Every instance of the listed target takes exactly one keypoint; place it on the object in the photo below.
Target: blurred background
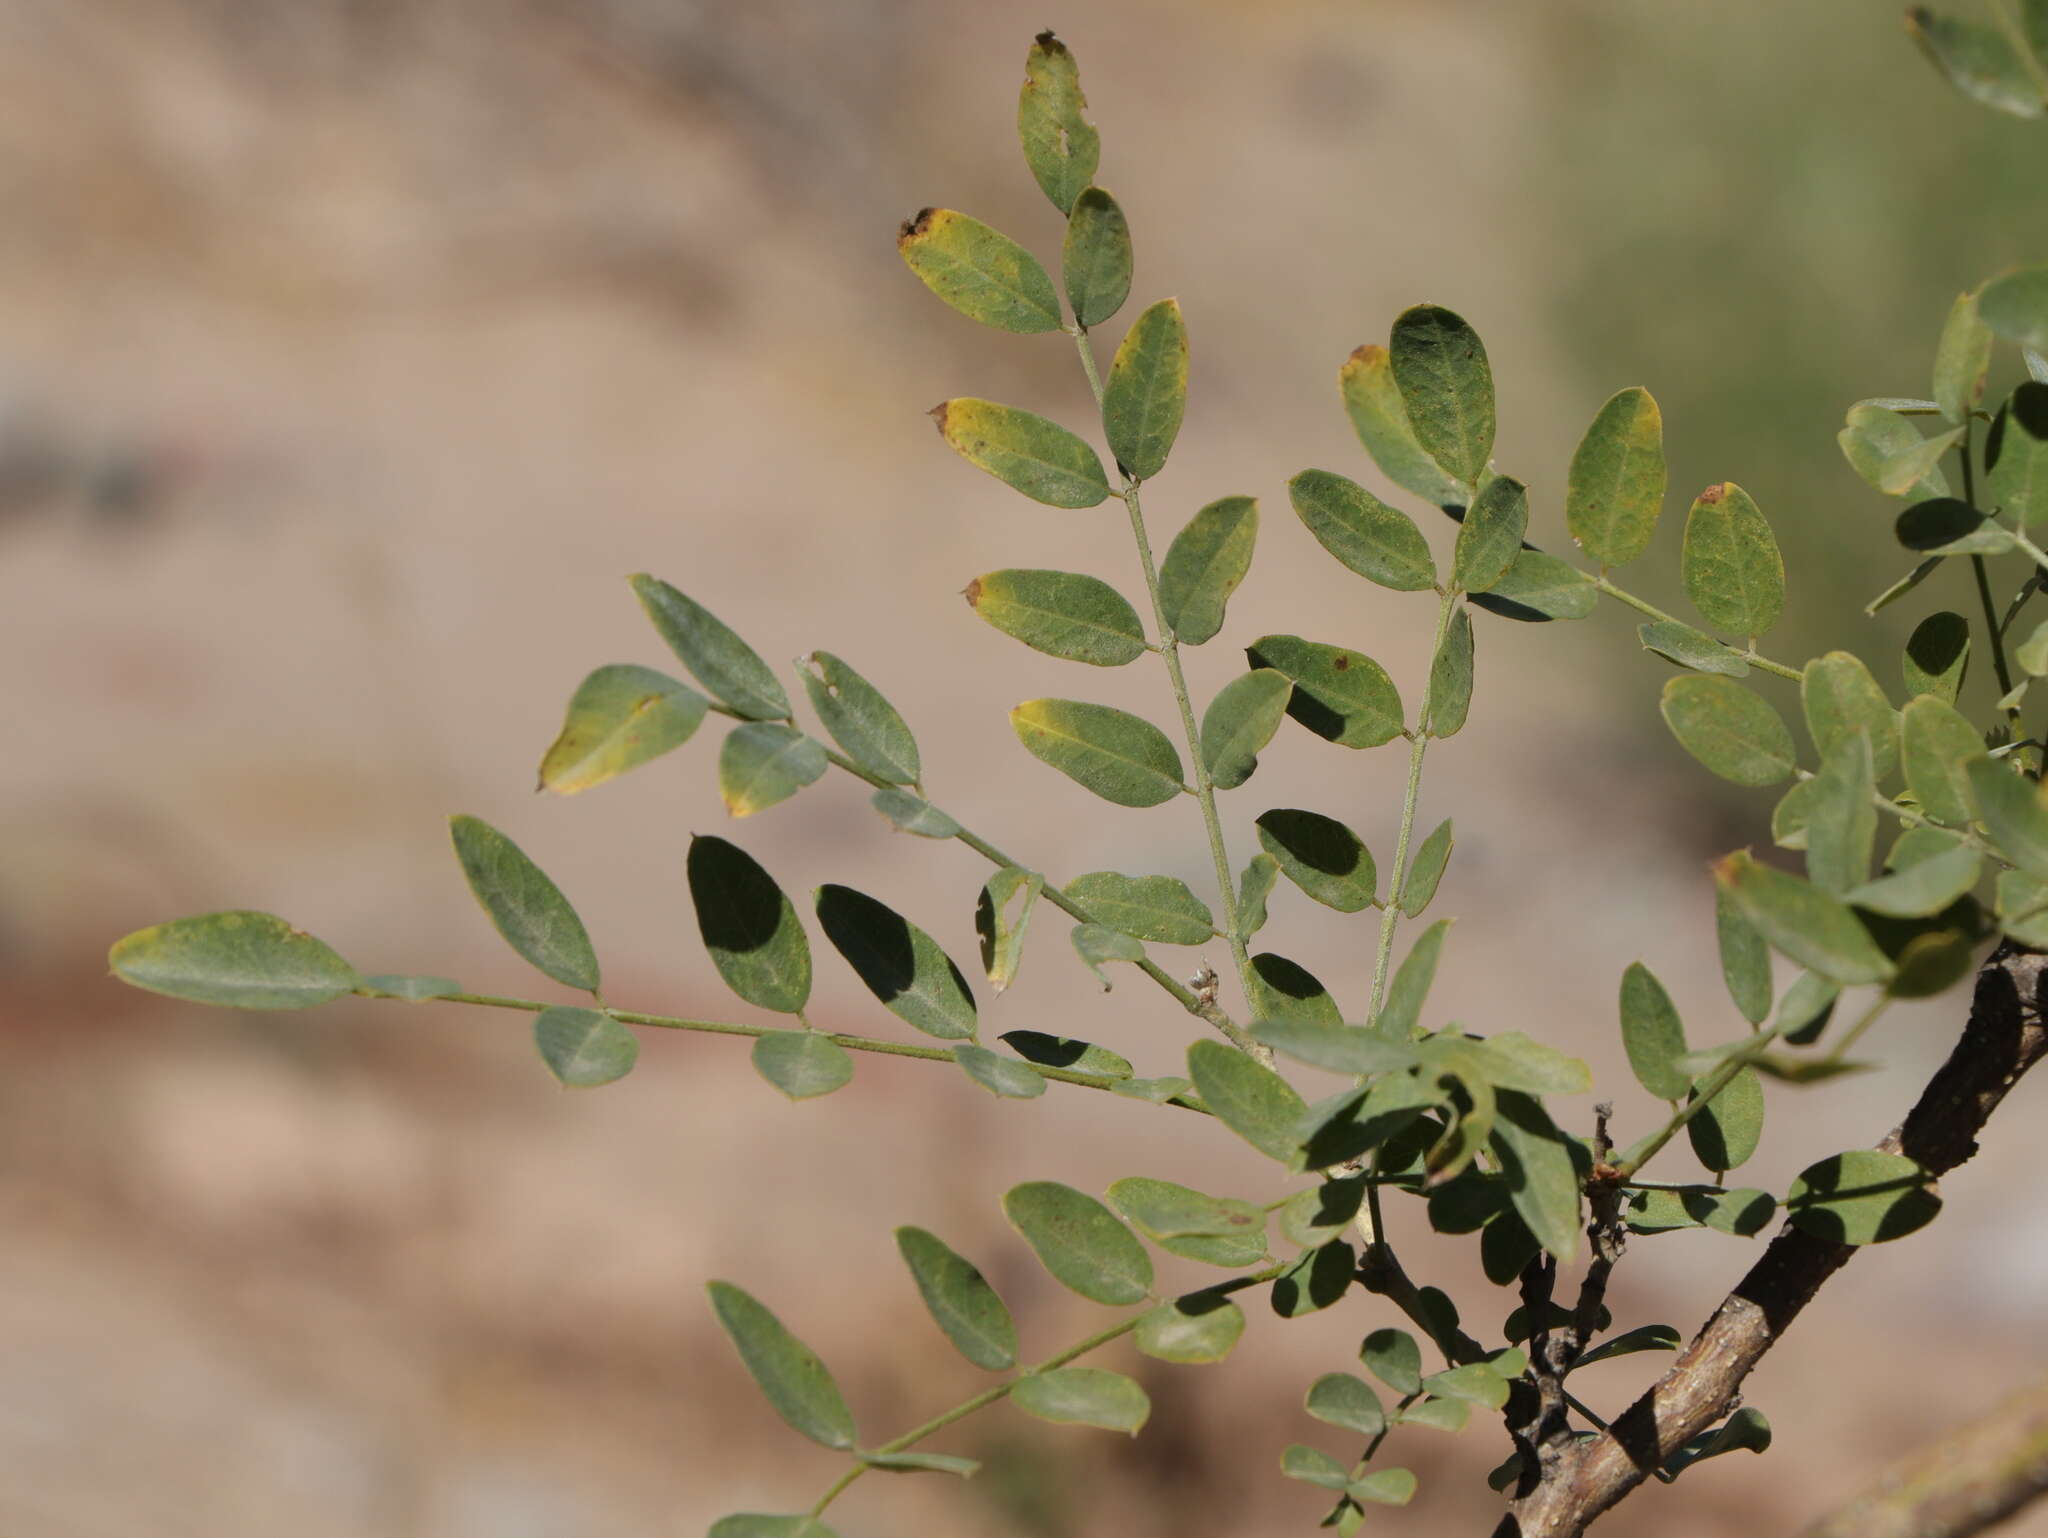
(351, 354)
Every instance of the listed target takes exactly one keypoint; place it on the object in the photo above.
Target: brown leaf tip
(1729, 866)
(972, 593)
(1364, 354)
(915, 225)
(1049, 43)
(1713, 493)
(938, 414)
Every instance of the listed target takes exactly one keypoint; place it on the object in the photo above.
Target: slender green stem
(1913, 819)
(735, 1028)
(1169, 650)
(1647, 1148)
(1642, 606)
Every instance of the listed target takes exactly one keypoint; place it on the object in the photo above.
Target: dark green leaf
(1147, 390)
(1961, 359)
(1426, 869)
(1450, 678)
(1254, 885)
(1060, 145)
(1977, 60)
(1250, 1099)
(1239, 723)
(1380, 417)
(2015, 811)
(1692, 649)
(1355, 1121)
(1195, 1328)
(620, 717)
(764, 763)
(1322, 857)
(960, 1300)
(1729, 728)
(1002, 914)
(1282, 989)
(1935, 741)
(1950, 526)
(1402, 1009)
(1490, 537)
(1066, 1052)
(1615, 488)
(909, 812)
(1150, 907)
(1446, 383)
(980, 272)
(1744, 1213)
(1905, 584)
(1097, 943)
(2016, 453)
(1937, 657)
(1841, 821)
(1319, 1214)
(1344, 1399)
(1080, 1241)
(1023, 450)
(1745, 960)
(1096, 259)
(1343, 696)
(1727, 1132)
(1543, 1178)
(528, 909)
(239, 959)
(863, 723)
(788, 1372)
(750, 928)
(1805, 923)
(1806, 1008)
(901, 964)
(1658, 1212)
(1121, 757)
(1887, 451)
(1648, 1337)
(1393, 1357)
(1733, 572)
(802, 1064)
(1373, 539)
(718, 659)
(1062, 613)
(921, 1463)
(1004, 1077)
(1540, 587)
(1862, 1197)
(1204, 565)
(1744, 1431)
(1317, 1279)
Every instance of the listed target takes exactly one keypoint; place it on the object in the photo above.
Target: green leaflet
(2016, 452)
(1119, 756)
(1340, 695)
(1540, 587)
(1446, 383)
(1862, 1197)
(1904, 585)
(1979, 61)
(1080, 1242)
(1733, 572)
(1732, 730)
(1148, 907)
(1147, 390)
(1323, 1042)
(1653, 1034)
(527, 908)
(920, 1463)
(1004, 1077)
(1159, 1209)
(1024, 451)
(1511, 1060)
(1841, 821)
(1255, 884)
(1950, 526)
(1061, 613)
(901, 964)
(1450, 678)
(1097, 943)
(1378, 542)
(1814, 929)
(1250, 1099)
(1934, 741)
(1002, 916)
(1239, 723)
(1380, 417)
(1402, 1010)
(1616, 484)
(1426, 869)
(1961, 359)
(1066, 1052)
(1283, 989)
(1648, 1337)
(1344, 1399)
(980, 272)
(715, 656)
(910, 813)
(764, 763)
(1060, 145)
(1840, 699)
(1727, 1132)
(1096, 259)
(960, 1300)
(1937, 657)
(1885, 448)
(395, 985)
(1490, 537)
(749, 926)
(2015, 306)
(1393, 1357)
(802, 1064)
(787, 1371)
(863, 723)
(1313, 1467)
(1204, 565)
(1542, 1176)
(1195, 1328)
(2023, 908)
(1745, 960)
(1083, 1396)
(2014, 811)
(1321, 856)
(1921, 888)
(238, 959)
(1319, 1214)
(1317, 1279)
(1692, 649)
(619, 718)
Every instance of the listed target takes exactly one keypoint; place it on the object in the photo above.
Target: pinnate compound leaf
(1882, 446)
(1004, 1077)
(1450, 678)
(863, 722)
(754, 1524)
(1393, 1357)
(749, 926)
(528, 909)
(1380, 417)
(1402, 1009)
(1342, 696)
(1157, 908)
(1061, 613)
(1347, 1400)
(960, 1300)
(1542, 1174)
(1239, 723)
(238, 959)
(619, 718)
(1616, 484)
(715, 656)
(1321, 856)
(1204, 565)
(1002, 916)
(1096, 259)
(980, 272)
(1540, 587)
(1729, 728)
(787, 1371)
(1863, 1197)
(1745, 960)
(1814, 929)
(2016, 452)
(1733, 572)
(1378, 542)
(1147, 390)
(1121, 757)
(1937, 657)
(1977, 60)
(764, 763)
(1024, 451)
(910, 813)
(1426, 869)
(1080, 1242)
(1692, 649)
(1247, 1097)
(1961, 359)
(2013, 808)
(1083, 1396)
(1727, 1132)
(1446, 382)
(1193, 1329)
(802, 1064)
(902, 965)
(1490, 537)
(1935, 741)
(1067, 1052)
(1060, 145)
(1841, 820)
